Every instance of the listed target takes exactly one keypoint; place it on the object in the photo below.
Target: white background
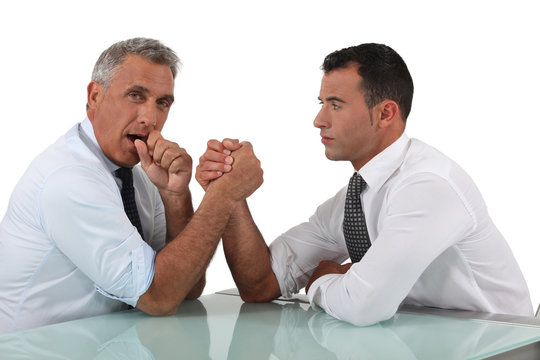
(251, 71)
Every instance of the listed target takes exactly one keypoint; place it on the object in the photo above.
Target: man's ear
(94, 94)
(388, 113)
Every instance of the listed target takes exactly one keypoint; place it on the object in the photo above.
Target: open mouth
(132, 138)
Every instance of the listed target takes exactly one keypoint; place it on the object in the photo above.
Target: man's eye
(335, 106)
(134, 96)
(164, 103)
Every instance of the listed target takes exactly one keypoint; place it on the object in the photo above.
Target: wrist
(221, 195)
(175, 197)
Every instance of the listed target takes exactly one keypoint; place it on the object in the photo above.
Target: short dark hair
(384, 74)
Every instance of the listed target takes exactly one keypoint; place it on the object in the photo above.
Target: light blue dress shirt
(67, 248)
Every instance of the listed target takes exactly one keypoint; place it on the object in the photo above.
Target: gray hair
(150, 49)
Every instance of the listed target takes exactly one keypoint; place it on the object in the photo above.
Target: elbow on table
(255, 297)
(160, 309)
(364, 310)
(164, 303)
(158, 306)
(368, 319)
(263, 290)
(368, 314)
(259, 295)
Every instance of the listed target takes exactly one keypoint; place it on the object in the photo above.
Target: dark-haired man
(88, 232)
(412, 221)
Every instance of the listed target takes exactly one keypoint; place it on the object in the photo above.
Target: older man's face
(137, 101)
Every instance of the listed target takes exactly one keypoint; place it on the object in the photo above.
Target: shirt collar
(379, 169)
(88, 130)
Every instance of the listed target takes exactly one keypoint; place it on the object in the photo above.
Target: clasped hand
(230, 166)
(167, 165)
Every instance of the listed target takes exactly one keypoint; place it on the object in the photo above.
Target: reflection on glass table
(124, 335)
(300, 333)
(221, 326)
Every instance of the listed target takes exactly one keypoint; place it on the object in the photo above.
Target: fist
(167, 165)
(245, 176)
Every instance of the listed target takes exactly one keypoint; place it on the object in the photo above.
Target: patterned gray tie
(354, 221)
(128, 197)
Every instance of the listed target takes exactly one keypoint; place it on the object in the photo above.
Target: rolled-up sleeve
(82, 213)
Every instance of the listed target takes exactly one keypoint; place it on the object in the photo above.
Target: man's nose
(148, 115)
(321, 120)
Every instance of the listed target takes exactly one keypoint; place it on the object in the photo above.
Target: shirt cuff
(142, 274)
(317, 290)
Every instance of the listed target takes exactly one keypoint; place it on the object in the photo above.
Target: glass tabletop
(221, 326)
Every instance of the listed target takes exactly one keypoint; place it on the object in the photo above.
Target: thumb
(144, 156)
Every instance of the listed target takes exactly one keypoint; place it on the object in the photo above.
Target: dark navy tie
(128, 197)
(354, 221)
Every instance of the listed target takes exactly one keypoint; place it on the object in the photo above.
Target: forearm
(181, 265)
(178, 212)
(249, 258)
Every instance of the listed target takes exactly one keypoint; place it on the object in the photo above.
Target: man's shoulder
(424, 158)
(429, 165)
(69, 151)
(67, 156)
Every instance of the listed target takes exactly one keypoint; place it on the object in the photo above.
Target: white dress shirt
(433, 244)
(67, 248)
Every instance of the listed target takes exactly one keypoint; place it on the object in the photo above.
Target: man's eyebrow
(138, 88)
(333, 98)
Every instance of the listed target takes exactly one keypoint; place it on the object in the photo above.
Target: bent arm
(416, 231)
(180, 266)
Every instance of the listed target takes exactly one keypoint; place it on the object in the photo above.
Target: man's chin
(331, 156)
(128, 162)
(335, 157)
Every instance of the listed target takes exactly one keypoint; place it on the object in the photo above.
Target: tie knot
(126, 175)
(356, 185)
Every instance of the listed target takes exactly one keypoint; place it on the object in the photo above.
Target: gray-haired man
(87, 232)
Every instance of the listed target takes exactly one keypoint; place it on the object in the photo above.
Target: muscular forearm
(249, 258)
(180, 266)
(178, 212)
